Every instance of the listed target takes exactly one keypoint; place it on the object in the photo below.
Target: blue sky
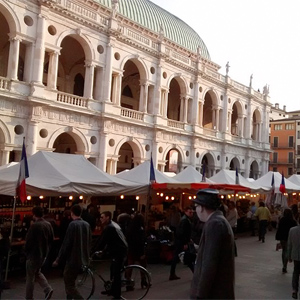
(259, 37)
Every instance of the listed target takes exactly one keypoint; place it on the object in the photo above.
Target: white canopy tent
(295, 179)
(54, 174)
(190, 175)
(141, 174)
(266, 181)
(229, 177)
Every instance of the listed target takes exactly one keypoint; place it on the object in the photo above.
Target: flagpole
(10, 238)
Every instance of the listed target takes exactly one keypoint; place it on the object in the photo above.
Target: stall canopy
(228, 179)
(295, 179)
(141, 174)
(52, 174)
(266, 181)
(190, 175)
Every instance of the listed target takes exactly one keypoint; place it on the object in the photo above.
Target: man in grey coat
(74, 251)
(214, 269)
(294, 255)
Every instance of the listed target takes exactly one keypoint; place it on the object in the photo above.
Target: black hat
(208, 198)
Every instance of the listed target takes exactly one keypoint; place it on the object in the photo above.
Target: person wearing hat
(215, 256)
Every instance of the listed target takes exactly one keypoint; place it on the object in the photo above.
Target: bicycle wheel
(85, 283)
(136, 282)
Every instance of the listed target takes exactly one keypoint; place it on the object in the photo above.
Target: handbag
(190, 254)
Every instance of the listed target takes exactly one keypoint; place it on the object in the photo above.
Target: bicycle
(136, 281)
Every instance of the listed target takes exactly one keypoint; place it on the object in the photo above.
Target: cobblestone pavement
(258, 276)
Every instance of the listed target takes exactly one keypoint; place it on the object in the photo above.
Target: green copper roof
(151, 16)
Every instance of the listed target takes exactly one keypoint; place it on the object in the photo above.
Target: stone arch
(234, 163)
(210, 101)
(11, 18)
(236, 118)
(80, 139)
(182, 82)
(180, 155)
(210, 164)
(254, 169)
(140, 64)
(135, 145)
(6, 133)
(81, 39)
(256, 125)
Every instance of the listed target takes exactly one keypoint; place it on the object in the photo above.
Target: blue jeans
(262, 229)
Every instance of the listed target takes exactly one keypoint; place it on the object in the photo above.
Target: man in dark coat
(38, 242)
(74, 251)
(114, 240)
(182, 239)
(214, 269)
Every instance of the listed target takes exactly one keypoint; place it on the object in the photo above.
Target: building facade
(119, 81)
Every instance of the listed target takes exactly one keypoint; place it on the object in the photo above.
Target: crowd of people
(203, 237)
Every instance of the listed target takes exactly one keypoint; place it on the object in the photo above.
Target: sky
(259, 37)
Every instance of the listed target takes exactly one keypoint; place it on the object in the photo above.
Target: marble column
(102, 152)
(13, 59)
(52, 73)
(89, 81)
(108, 72)
(32, 136)
(5, 157)
(98, 83)
(28, 62)
(39, 51)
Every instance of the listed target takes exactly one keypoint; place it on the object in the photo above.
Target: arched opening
(130, 96)
(254, 170)
(207, 164)
(234, 120)
(234, 164)
(174, 161)
(71, 61)
(207, 112)
(4, 45)
(65, 143)
(126, 155)
(173, 111)
(256, 126)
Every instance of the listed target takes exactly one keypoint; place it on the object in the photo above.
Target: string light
(137, 197)
(80, 197)
(41, 197)
(167, 197)
(70, 197)
(172, 198)
(122, 196)
(28, 197)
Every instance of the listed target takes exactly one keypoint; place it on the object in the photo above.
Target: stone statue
(251, 77)
(227, 68)
(115, 7)
(266, 90)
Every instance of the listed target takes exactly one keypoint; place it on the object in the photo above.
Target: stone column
(157, 101)
(217, 119)
(213, 118)
(141, 101)
(28, 62)
(98, 83)
(5, 157)
(89, 81)
(200, 113)
(185, 102)
(108, 72)
(181, 114)
(145, 103)
(32, 136)
(114, 166)
(53, 67)
(102, 152)
(39, 51)
(119, 89)
(114, 87)
(229, 121)
(13, 59)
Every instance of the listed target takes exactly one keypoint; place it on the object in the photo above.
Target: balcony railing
(132, 114)
(4, 84)
(72, 99)
(282, 162)
(175, 124)
(283, 146)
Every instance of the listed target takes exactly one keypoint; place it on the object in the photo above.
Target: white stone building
(117, 80)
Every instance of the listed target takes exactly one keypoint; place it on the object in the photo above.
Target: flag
(203, 173)
(282, 185)
(23, 174)
(237, 180)
(152, 172)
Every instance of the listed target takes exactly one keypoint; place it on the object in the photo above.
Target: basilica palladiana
(118, 81)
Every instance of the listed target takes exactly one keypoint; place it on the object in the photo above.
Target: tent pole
(147, 207)
(10, 238)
